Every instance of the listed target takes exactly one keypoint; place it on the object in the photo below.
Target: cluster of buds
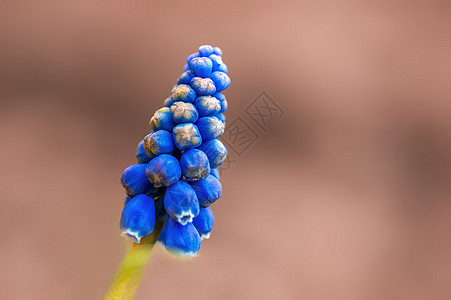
(176, 179)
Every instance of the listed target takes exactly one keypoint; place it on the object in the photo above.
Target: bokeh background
(346, 196)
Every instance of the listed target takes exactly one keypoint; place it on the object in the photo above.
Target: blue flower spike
(176, 179)
(181, 241)
(138, 217)
(204, 222)
(181, 203)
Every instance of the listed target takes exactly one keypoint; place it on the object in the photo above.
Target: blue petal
(138, 217)
(204, 222)
(182, 241)
(134, 180)
(180, 202)
(208, 190)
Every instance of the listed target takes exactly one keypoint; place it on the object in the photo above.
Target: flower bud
(159, 142)
(186, 136)
(208, 190)
(184, 112)
(179, 240)
(210, 128)
(203, 86)
(201, 66)
(207, 106)
(134, 180)
(180, 202)
(194, 164)
(221, 80)
(163, 170)
(183, 92)
(216, 152)
(138, 217)
(204, 222)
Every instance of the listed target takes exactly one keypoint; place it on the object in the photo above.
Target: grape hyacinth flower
(171, 188)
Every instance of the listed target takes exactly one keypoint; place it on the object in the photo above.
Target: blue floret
(208, 190)
(184, 112)
(194, 164)
(138, 217)
(204, 222)
(210, 128)
(162, 119)
(206, 50)
(180, 202)
(134, 180)
(203, 86)
(179, 240)
(186, 136)
(141, 154)
(221, 80)
(207, 106)
(201, 66)
(186, 77)
(183, 92)
(159, 142)
(163, 170)
(216, 152)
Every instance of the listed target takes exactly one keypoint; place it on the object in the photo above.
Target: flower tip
(205, 236)
(128, 234)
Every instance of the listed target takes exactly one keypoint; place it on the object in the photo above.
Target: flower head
(176, 179)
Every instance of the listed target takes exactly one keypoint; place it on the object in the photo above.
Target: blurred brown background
(347, 196)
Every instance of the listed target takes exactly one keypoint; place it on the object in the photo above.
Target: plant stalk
(132, 267)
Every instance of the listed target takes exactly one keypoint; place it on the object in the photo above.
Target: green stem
(131, 269)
